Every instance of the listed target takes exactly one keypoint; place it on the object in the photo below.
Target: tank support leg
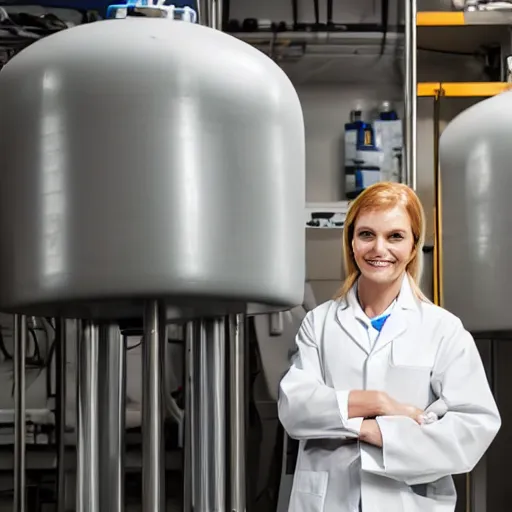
(153, 448)
(87, 474)
(215, 372)
(112, 390)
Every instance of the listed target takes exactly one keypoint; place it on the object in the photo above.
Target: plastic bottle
(389, 139)
(358, 134)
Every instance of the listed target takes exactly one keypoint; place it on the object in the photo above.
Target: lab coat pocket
(419, 498)
(408, 375)
(309, 491)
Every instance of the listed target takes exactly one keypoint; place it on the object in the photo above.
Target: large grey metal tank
(148, 158)
(476, 170)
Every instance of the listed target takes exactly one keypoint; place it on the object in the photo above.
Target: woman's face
(383, 244)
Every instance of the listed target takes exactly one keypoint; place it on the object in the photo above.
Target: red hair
(382, 196)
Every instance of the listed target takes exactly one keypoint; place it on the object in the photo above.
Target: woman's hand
(369, 404)
(370, 433)
(393, 408)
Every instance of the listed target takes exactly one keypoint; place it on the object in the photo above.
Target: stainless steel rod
(237, 426)
(216, 10)
(112, 387)
(410, 93)
(217, 367)
(153, 491)
(87, 477)
(204, 423)
(190, 427)
(210, 13)
(20, 344)
(60, 410)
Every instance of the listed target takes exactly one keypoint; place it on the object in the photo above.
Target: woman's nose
(379, 244)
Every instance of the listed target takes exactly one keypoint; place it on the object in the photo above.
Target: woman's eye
(397, 236)
(365, 234)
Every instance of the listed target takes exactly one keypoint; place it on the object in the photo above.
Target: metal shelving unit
(458, 32)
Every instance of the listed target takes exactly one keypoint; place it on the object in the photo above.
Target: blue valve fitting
(183, 13)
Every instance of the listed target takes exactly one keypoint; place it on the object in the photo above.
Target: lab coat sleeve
(420, 454)
(308, 408)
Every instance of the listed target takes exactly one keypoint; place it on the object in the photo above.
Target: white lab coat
(423, 356)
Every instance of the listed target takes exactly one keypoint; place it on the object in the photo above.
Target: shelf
(463, 18)
(463, 32)
(331, 57)
(462, 89)
(333, 218)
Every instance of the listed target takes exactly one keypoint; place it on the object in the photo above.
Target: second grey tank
(476, 171)
(148, 158)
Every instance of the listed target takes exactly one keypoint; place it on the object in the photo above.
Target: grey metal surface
(153, 447)
(210, 13)
(486, 18)
(87, 471)
(112, 414)
(204, 480)
(60, 411)
(200, 133)
(475, 155)
(218, 391)
(206, 421)
(20, 344)
(410, 93)
(190, 467)
(237, 424)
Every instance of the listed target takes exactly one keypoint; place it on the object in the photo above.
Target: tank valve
(151, 9)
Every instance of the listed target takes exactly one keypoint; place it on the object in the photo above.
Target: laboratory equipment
(475, 229)
(362, 156)
(150, 178)
(388, 131)
(356, 132)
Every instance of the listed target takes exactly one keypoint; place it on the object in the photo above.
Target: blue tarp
(97, 5)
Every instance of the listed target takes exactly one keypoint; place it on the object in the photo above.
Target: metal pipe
(204, 422)
(153, 490)
(87, 476)
(60, 410)
(237, 425)
(190, 424)
(210, 13)
(217, 367)
(410, 93)
(112, 417)
(216, 22)
(20, 344)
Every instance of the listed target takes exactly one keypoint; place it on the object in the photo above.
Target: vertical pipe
(20, 344)
(189, 465)
(204, 422)
(437, 267)
(210, 13)
(112, 389)
(60, 410)
(203, 12)
(153, 493)
(217, 366)
(237, 425)
(410, 92)
(87, 495)
(216, 9)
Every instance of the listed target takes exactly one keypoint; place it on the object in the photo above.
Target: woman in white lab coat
(387, 392)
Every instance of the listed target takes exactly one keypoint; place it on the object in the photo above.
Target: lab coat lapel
(347, 317)
(405, 308)
(395, 325)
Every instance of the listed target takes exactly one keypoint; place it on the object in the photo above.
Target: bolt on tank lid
(151, 9)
